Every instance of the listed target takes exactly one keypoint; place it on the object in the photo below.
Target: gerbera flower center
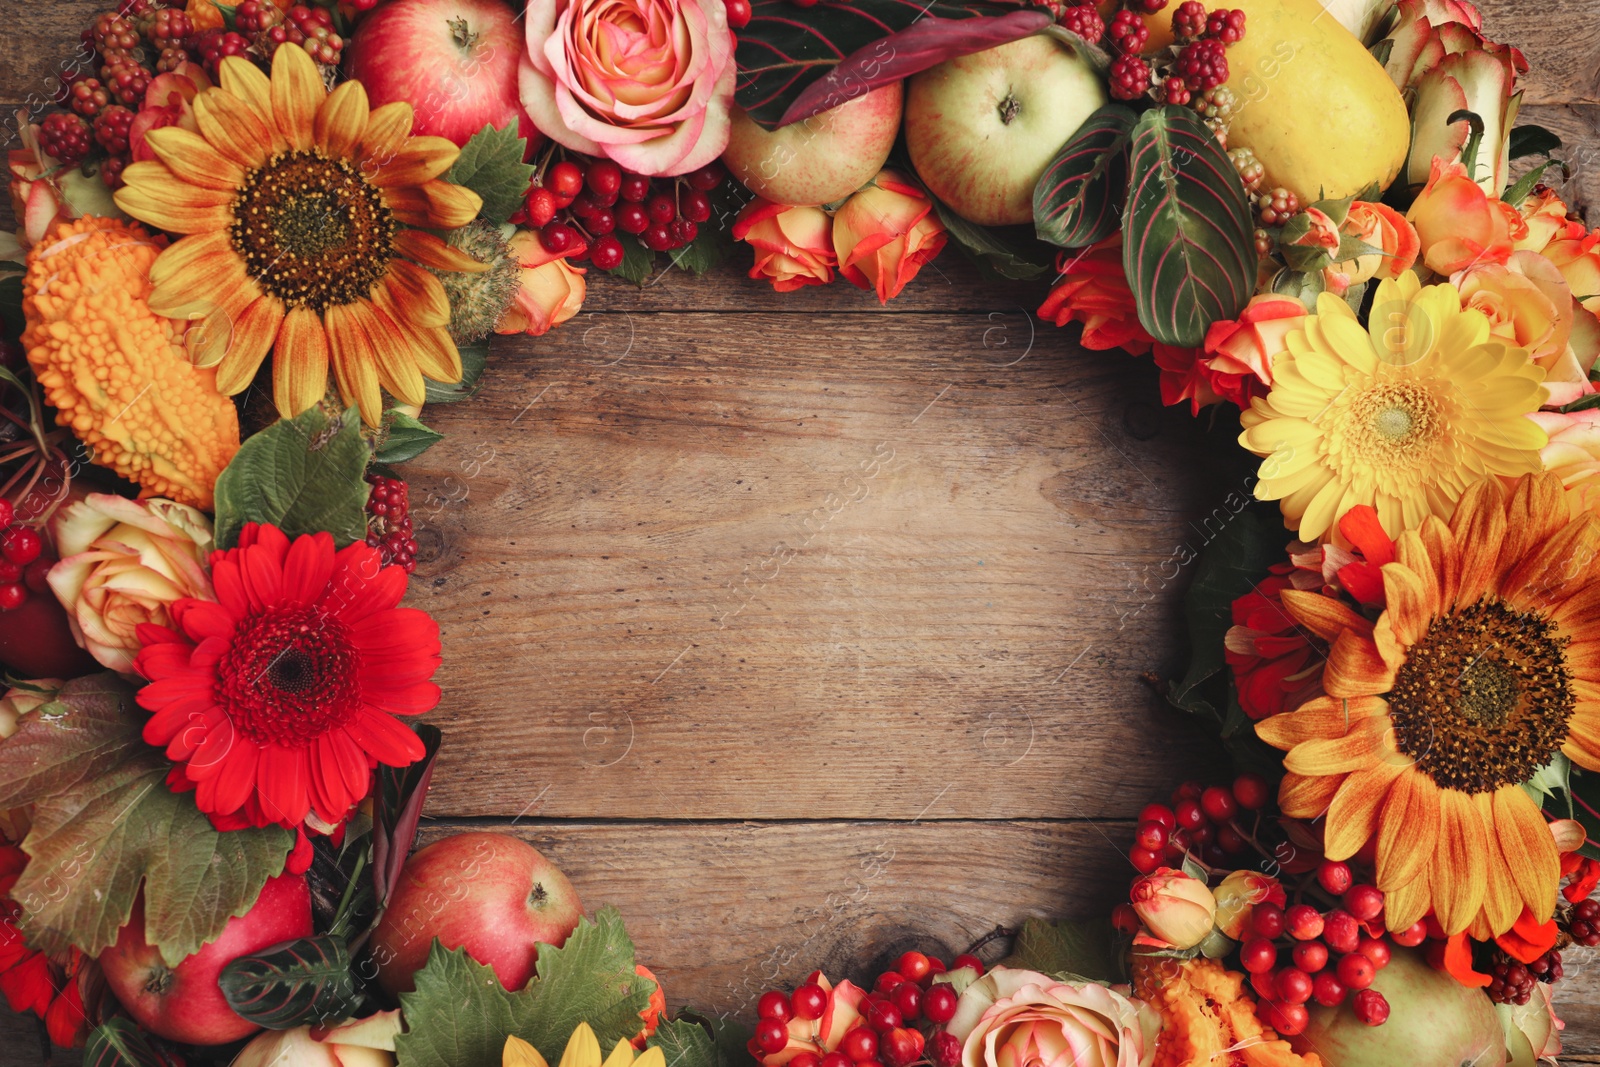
(289, 676)
(1395, 424)
(312, 231)
(1483, 700)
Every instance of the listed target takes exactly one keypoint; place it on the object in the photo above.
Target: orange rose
(551, 292)
(1381, 227)
(884, 234)
(1578, 260)
(1247, 345)
(1545, 215)
(794, 245)
(1528, 304)
(1458, 224)
(1093, 290)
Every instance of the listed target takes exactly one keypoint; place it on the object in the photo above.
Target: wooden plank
(696, 578)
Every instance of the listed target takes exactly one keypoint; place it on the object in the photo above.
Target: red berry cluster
(1083, 20)
(389, 527)
(1326, 956)
(902, 1018)
(1198, 64)
(1584, 925)
(1200, 820)
(267, 27)
(23, 564)
(66, 136)
(579, 204)
(1511, 982)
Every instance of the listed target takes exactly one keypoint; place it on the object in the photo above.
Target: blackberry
(66, 137)
(1251, 170)
(309, 27)
(112, 34)
(1130, 77)
(126, 81)
(1584, 924)
(1217, 102)
(171, 58)
(1174, 91)
(1277, 206)
(1509, 981)
(111, 171)
(1085, 21)
(1547, 968)
(389, 523)
(1226, 26)
(88, 97)
(1203, 64)
(1149, 7)
(111, 128)
(214, 46)
(1189, 21)
(1129, 33)
(168, 27)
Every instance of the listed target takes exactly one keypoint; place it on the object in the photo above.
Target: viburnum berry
(312, 29)
(1364, 901)
(1277, 206)
(1334, 876)
(7, 512)
(114, 33)
(1159, 813)
(1411, 936)
(389, 527)
(683, 230)
(1287, 1019)
(1302, 922)
(1203, 64)
(695, 206)
(603, 221)
(1356, 971)
(12, 596)
(940, 1003)
(707, 177)
(134, 10)
(860, 1044)
(66, 136)
(908, 998)
(111, 128)
(634, 188)
(1327, 990)
(1217, 102)
(631, 218)
(604, 180)
(739, 13)
(1130, 77)
(87, 97)
(967, 959)
(21, 545)
(1189, 21)
(565, 180)
(1175, 91)
(774, 1005)
(1129, 33)
(1252, 172)
(168, 27)
(1341, 931)
(1310, 956)
(1085, 21)
(661, 208)
(541, 206)
(558, 237)
(111, 170)
(1371, 1007)
(1218, 803)
(1226, 26)
(809, 1000)
(1258, 955)
(945, 1049)
(656, 238)
(126, 81)
(882, 1015)
(771, 1036)
(9, 572)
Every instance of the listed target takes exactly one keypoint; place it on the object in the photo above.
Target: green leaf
(1076, 200)
(1193, 869)
(104, 822)
(994, 256)
(685, 1044)
(459, 1015)
(710, 246)
(1524, 185)
(1188, 249)
(301, 475)
(1234, 560)
(297, 983)
(474, 357)
(1550, 780)
(637, 260)
(1086, 948)
(1531, 140)
(406, 440)
(118, 1042)
(491, 165)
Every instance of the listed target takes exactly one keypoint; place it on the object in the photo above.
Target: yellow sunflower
(296, 203)
(1484, 667)
(1403, 418)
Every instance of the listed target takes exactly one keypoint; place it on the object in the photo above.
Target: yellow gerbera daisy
(583, 1050)
(1484, 667)
(296, 202)
(1403, 418)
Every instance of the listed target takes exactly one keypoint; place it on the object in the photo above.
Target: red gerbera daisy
(30, 980)
(280, 698)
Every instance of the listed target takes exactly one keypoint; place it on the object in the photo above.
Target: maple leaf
(105, 824)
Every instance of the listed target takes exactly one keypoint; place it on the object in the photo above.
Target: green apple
(982, 128)
(1434, 1021)
(820, 159)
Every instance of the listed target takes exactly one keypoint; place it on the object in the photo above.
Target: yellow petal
(1529, 849)
(1303, 796)
(244, 79)
(1407, 829)
(518, 1053)
(621, 1055)
(434, 205)
(355, 366)
(420, 159)
(341, 119)
(253, 334)
(1459, 880)
(1353, 815)
(1502, 904)
(397, 369)
(191, 158)
(231, 127)
(297, 93)
(415, 296)
(387, 129)
(191, 263)
(299, 362)
(430, 251)
(159, 198)
(583, 1048)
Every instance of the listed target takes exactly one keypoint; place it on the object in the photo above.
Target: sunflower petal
(1306, 796)
(1353, 815)
(297, 93)
(387, 129)
(1357, 750)
(230, 126)
(355, 365)
(1501, 901)
(155, 195)
(191, 159)
(397, 370)
(253, 334)
(1355, 667)
(1407, 829)
(433, 205)
(1479, 528)
(341, 119)
(1323, 615)
(1405, 905)
(1459, 879)
(430, 251)
(1529, 849)
(418, 293)
(419, 160)
(299, 362)
(244, 80)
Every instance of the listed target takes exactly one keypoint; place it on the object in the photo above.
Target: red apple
(184, 1003)
(490, 894)
(454, 61)
(982, 128)
(820, 159)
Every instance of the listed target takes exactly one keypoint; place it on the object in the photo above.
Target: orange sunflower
(296, 204)
(1484, 667)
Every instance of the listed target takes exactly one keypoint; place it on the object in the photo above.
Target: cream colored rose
(125, 562)
(1013, 1018)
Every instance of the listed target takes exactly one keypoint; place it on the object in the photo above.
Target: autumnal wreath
(215, 746)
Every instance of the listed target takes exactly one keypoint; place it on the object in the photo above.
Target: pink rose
(647, 83)
(1528, 305)
(1573, 452)
(793, 245)
(1015, 1018)
(884, 234)
(551, 290)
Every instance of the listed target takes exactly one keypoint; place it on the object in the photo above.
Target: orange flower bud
(1176, 908)
(793, 245)
(885, 233)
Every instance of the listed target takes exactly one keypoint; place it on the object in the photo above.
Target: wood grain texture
(865, 561)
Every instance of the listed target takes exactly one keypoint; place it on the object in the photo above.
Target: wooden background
(808, 631)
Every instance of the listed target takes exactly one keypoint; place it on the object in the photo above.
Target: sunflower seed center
(312, 231)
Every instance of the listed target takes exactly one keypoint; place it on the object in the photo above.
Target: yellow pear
(1315, 106)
